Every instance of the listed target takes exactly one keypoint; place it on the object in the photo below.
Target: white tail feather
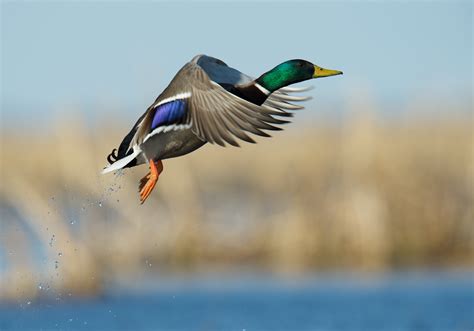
(119, 164)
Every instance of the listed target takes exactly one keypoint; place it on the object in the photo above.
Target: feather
(119, 164)
(282, 104)
(286, 97)
(172, 112)
(288, 89)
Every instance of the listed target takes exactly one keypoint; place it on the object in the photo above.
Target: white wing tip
(293, 89)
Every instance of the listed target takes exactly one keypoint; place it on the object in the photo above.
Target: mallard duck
(208, 101)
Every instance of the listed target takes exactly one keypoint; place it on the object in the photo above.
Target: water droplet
(51, 241)
(100, 203)
(72, 222)
(60, 254)
(40, 287)
(28, 303)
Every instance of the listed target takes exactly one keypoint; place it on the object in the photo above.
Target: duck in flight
(208, 101)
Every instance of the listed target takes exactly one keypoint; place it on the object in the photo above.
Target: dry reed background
(366, 194)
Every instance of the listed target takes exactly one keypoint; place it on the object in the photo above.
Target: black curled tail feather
(124, 148)
(123, 151)
(112, 157)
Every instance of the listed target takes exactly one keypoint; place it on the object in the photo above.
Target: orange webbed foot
(148, 182)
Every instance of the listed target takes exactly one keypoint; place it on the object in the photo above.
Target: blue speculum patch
(169, 113)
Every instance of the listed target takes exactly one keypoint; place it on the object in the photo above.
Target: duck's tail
(120, 163)
(124, 154)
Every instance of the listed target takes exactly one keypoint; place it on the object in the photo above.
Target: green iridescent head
(293, 71)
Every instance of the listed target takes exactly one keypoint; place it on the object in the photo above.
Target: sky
(117, 56)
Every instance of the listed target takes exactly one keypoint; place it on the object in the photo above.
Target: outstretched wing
(218, 116)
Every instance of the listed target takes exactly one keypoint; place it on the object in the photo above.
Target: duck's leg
(148, 182)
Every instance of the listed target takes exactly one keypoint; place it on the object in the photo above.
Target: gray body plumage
(170, 144)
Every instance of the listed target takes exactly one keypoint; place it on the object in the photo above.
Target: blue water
(421, 302)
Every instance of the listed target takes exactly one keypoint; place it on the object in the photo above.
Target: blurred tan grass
(365, 194)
